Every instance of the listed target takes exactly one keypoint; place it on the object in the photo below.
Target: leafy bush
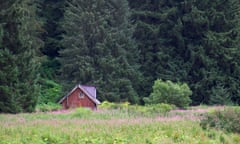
(227, 119)
(50, 91)
(150, 110)
(171, 93)
(48, 107)
(110, 105)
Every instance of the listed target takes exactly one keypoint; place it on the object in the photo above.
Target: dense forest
(119, 46)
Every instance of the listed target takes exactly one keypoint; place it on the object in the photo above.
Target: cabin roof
(90, 91)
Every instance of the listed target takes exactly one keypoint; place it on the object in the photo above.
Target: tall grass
(106, 126)
(227, 119)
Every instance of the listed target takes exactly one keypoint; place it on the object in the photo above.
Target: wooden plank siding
(74, 101)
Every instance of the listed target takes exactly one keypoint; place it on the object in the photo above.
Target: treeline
(120, 46)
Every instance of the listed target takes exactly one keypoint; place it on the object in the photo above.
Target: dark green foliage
(227, 120)
(190, 41)
(19, 62)
(99, 50)
(158, 34)
(50, 91)
(107, 44)
(51, 13)
(170, 93)
(220, 95)
(9, 101)
(216, 63)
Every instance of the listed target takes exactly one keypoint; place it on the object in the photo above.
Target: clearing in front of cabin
(112, 125)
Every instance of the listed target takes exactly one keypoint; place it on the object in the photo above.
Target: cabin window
(81, 95)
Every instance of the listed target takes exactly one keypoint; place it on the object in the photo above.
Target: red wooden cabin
(80, 96)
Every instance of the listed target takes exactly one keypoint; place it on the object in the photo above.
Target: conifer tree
(99, 49)
(159, 36)
(19, 64)
(7, 70)
(51, 13)
(214, 50)
(223, 47)
(190, 41)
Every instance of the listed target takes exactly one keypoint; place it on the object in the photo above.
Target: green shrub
(110, 105)
(107, 104)
(150, 110)
(48, 107)
(137, 110)
(50, 91)
(170, 93)
(227, 119)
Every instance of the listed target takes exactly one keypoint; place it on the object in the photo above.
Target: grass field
(111, 127)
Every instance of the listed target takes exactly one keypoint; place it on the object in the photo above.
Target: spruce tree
(19, 63)
(223, 47)
(99, 49)
(51, 13)
(7, 70)
(190, 41)
(159, 36)
(214, 52)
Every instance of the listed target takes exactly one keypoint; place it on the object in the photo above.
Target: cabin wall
(74, 101)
